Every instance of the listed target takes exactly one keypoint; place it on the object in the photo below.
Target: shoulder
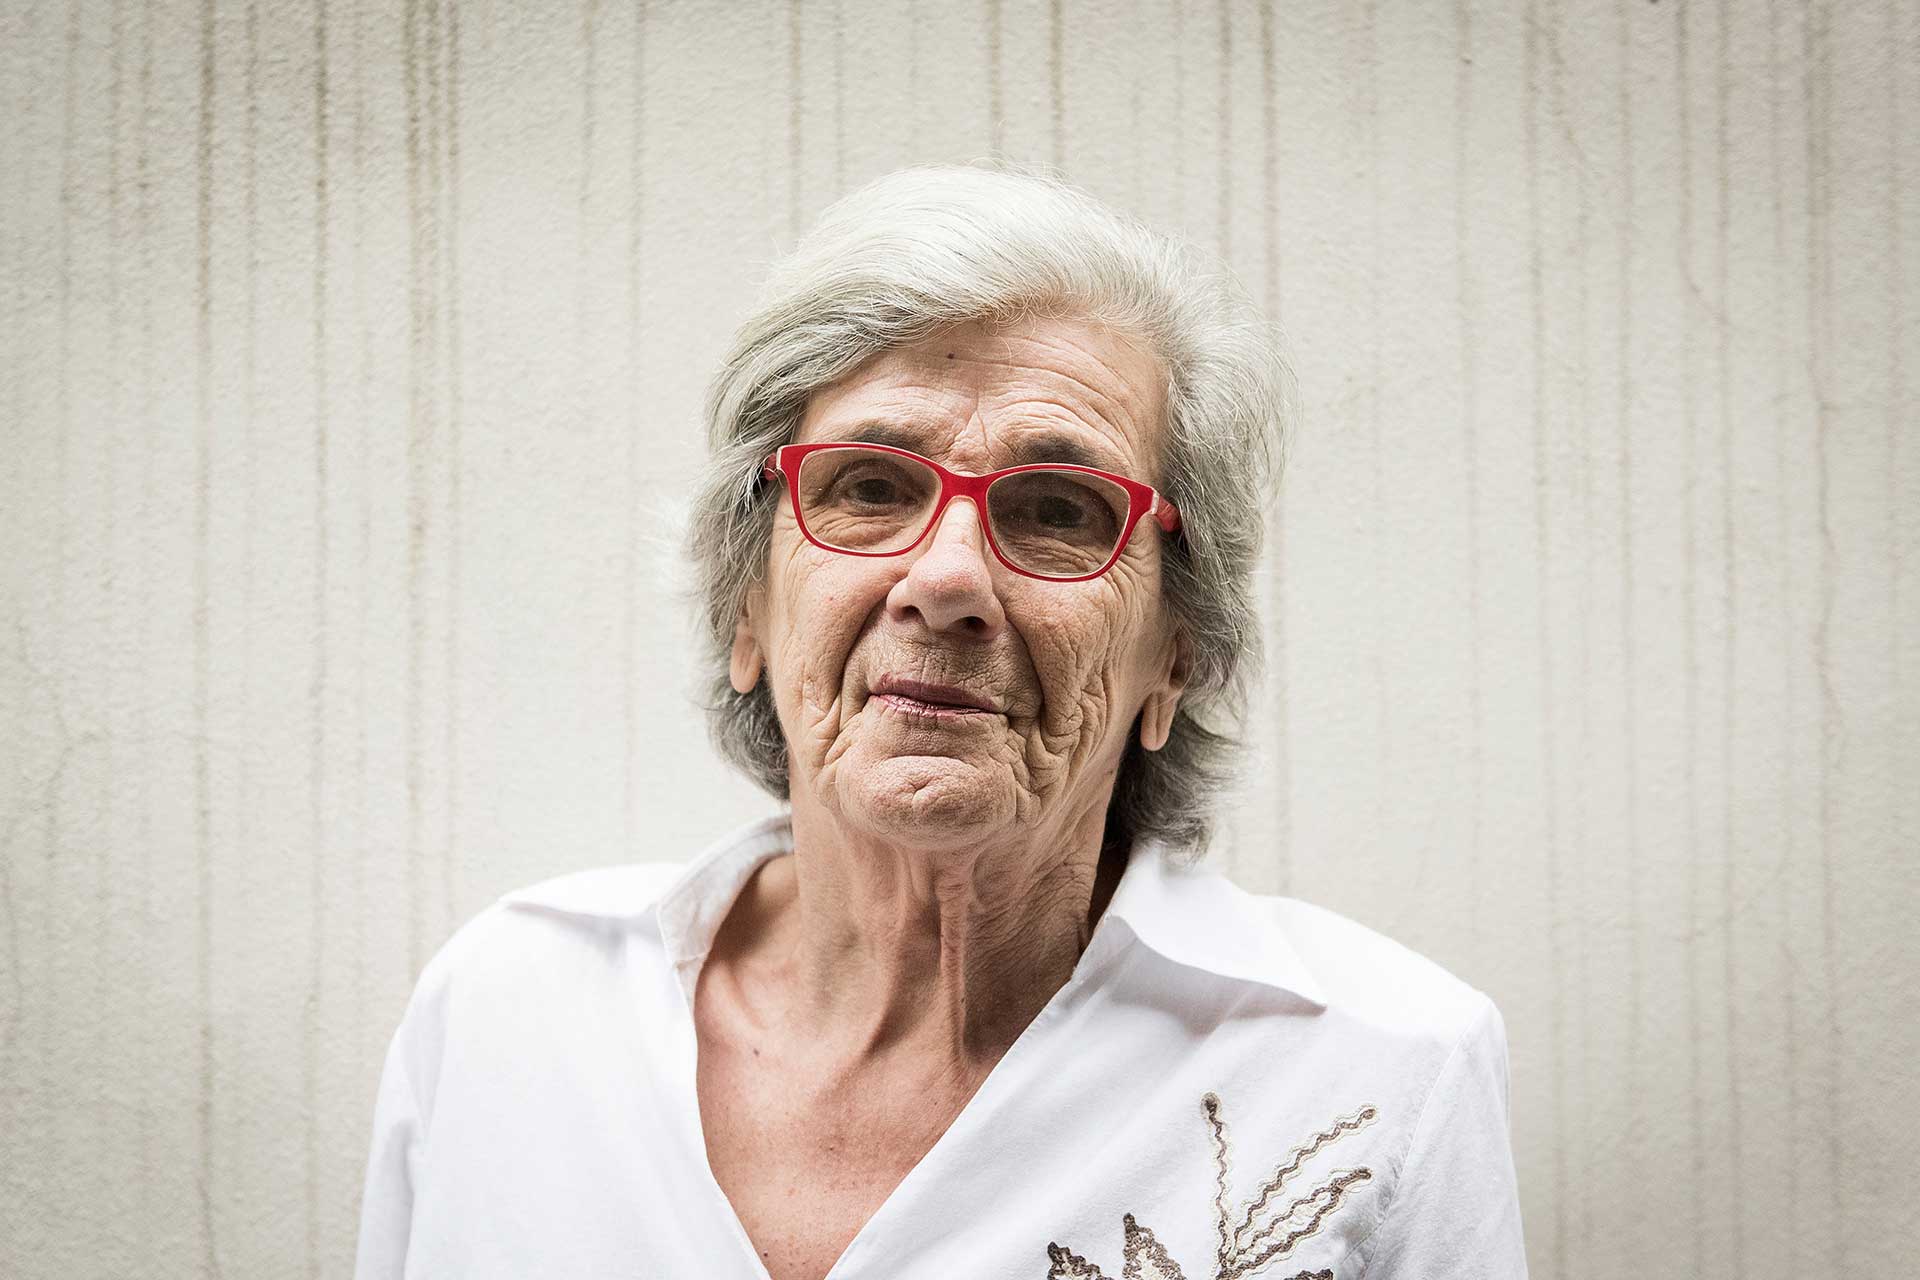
(1374, 980)
(1434, 1049)
(1430, 1050)
(535, 966)
(616, 893)
(540, 932)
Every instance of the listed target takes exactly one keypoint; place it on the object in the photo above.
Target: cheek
(1083, 656)
(818, 611)
(1070, 661)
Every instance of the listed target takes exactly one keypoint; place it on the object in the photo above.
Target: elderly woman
(989, 469)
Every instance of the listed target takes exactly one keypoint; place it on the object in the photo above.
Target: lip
(940, 697)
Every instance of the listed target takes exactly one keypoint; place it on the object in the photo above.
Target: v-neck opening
(1095, 959)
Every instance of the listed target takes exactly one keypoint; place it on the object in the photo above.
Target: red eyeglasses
(1056, 521)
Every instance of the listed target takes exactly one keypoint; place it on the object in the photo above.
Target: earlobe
(1156, 720)
(1156, 717)
(743, 669)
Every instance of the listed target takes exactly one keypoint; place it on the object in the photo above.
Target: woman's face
(1065, 666)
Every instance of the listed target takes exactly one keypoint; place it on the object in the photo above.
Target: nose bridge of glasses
(950, 501)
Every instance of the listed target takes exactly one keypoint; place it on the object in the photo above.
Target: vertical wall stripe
(124, 767)
(323, 640)
(242, 822)
(16, 354)
(418, 199)
(1583, 1137)
(1729, 681)
(996, 110)
(249, 416)
(15, 339)
(796, 101)
(583, 386)
(63, 385)
(1587, 1138)
(1818, 95)
(1694, 1003)
(434, 148)
(1223, 137)
(582, 214)
(433, 183)
(1382, 588)
(15, 1024)
(914, 149)
(111, 971)
(582, 211)
(1898, 421)
(1136, 187)
(1179, 113)
(1275, 602)
(1470, 424)
(144, 979)
(1056, 82)
(357, 902)
(636, 397)
(1270, 163)
(456, 542)
(839, 99)
(202, 639)
(1787, 980)
(55, 1009)
(1542, 483)
(1636, 1118)
(22, 1023)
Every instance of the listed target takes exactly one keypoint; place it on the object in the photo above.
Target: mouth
(941, 701)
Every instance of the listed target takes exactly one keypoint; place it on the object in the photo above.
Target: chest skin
(806, 1165)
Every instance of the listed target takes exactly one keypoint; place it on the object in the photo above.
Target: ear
(743, 669)
(1156, 714)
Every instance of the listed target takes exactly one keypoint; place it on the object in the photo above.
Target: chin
(926, 800)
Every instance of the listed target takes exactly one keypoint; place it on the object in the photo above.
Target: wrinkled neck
(880, 951)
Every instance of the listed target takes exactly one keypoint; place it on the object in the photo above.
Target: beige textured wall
(352, 358)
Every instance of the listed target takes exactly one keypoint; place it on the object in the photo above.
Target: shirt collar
(1194, 917)
(1197, 917)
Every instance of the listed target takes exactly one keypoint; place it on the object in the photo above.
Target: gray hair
(928, 247)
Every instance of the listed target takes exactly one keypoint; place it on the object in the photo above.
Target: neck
(885, 952)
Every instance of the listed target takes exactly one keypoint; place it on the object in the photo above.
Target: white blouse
(1228, 1085)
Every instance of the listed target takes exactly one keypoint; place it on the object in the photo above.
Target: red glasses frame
(1142, 500)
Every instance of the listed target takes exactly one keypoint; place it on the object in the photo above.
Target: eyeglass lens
(1057, 524)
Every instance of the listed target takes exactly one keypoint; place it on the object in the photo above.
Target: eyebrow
(1028, 448)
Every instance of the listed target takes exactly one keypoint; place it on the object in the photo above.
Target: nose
(949, 585)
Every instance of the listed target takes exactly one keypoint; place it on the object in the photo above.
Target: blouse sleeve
(1455, 1212)
(386, 1204)
(401, 1116)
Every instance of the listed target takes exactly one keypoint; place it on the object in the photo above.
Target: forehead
(980, 397)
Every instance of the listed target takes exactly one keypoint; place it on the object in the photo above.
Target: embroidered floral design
(1244, 1248)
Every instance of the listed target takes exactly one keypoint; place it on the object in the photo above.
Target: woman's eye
(1056, 512)
(874, 491)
